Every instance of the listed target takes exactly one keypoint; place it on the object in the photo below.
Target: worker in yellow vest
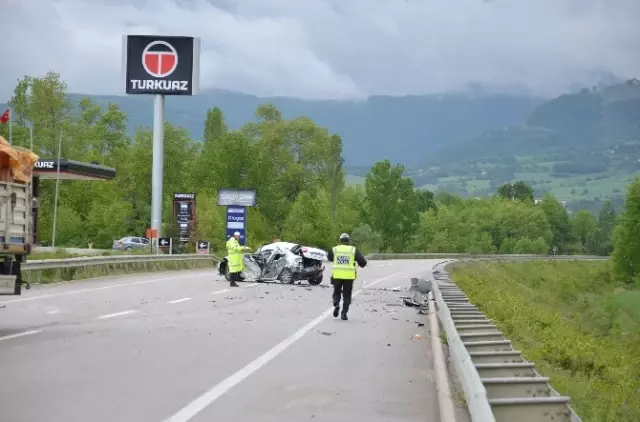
(236, 258)
(344, 273)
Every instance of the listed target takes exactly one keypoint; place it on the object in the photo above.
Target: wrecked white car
(283, 261)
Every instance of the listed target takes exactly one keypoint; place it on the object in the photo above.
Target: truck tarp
(16, 164)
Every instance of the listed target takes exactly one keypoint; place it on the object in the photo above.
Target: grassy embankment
(66, 274)
(580, 328)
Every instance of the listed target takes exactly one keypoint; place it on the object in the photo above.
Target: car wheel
(315, 281)
(226, 273)
(286, 276)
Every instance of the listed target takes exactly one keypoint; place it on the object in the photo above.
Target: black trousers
(235, 277)
(344, 289)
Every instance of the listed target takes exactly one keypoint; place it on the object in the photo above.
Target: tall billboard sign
(160, 65)
(237, 203)
(184, 214)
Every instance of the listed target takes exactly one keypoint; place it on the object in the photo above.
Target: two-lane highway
(184, 346)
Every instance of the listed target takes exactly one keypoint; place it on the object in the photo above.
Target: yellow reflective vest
(344, 262)
(236, 257)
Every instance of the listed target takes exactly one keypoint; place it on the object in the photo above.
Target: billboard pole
(160, 65)
(158, 162)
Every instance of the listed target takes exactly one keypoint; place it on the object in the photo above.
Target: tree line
(296, 168)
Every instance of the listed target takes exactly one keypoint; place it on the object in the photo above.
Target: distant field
(587, 187)
(350, 179)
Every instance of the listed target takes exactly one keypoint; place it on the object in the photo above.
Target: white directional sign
(202, 247)
(242, 198)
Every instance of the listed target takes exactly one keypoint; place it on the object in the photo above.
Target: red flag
(5, 117)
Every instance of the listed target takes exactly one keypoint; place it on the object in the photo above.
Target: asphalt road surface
(184, 346)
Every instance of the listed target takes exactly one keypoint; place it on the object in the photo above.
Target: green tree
(519, 190)
(583, 225)
(559, 220)
(626, 239)
(600, 241)
(391, 205)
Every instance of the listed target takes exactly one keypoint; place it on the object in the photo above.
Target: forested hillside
(580, 147)
(297, 169)
(402, 129)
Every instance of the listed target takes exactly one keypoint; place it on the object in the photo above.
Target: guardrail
(498, 383)
(110, 262)
(468, 256)
(46, 264)
(75, 251)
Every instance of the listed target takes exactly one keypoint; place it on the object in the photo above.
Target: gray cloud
(333, 48)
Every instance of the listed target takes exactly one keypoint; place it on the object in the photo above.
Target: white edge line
(200, 403)
(94, 289)
(25, 333)
(251, 285)
(117, 314)
(184, 299)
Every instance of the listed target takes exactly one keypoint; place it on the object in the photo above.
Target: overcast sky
(332, 48)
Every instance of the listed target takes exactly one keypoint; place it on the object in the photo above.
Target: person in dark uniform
(344, 273)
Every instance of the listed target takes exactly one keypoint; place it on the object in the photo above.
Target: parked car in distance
(130, 242)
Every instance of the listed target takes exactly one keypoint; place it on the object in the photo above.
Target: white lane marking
(219, 291)
(184, 299)
(117, 314)
(25, 333)
(251, 285)
(200, 403)
(95, 289)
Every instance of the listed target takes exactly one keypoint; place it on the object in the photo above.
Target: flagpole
(10, 126)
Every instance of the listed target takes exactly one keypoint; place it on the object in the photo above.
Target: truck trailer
(16, 169)
(15, 236)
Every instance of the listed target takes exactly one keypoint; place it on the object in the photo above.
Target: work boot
(336, 310)
(344, 316)
(233, 284)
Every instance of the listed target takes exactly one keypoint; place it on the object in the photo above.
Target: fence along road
(184, 346)
(499, 384)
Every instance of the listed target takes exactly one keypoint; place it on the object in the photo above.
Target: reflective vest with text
(344, 262)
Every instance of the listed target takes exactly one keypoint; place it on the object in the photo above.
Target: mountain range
(401, 129)
(581, 146)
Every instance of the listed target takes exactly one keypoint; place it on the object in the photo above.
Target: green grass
(64, 254)
(578, 326)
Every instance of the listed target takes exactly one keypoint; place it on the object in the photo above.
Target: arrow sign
(203, 247)
(164, 241)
